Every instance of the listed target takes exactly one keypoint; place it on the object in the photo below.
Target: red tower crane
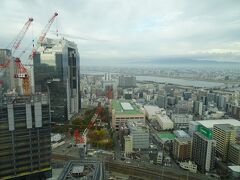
(22, 72)
(82, 140)
(17, 41)
(43, 35)
(15, 45)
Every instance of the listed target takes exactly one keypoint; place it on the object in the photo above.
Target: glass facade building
(57, 71)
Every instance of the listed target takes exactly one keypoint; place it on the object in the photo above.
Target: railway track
(144, 172)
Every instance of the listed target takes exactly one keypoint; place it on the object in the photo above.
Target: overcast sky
(118, 31)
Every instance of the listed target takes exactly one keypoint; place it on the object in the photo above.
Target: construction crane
(43, 35)
(81, 141)
(21, 71)
(17, 41)
(15, 45)
(23, 74)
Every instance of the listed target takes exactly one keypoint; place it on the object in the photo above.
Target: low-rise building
(123, 111)
(189, 166)
(164, 121)
(151, 111)
(181, 121)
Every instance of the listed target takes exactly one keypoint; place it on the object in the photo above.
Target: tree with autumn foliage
(100, 138)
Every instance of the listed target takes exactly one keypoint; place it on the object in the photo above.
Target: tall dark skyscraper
(57, 71)
(25, 147)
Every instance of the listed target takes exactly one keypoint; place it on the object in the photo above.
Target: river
(157, 79)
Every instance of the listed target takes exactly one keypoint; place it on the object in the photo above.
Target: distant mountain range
(181, 61)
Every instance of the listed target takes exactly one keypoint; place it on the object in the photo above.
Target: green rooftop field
(166, 135)
(116, 104)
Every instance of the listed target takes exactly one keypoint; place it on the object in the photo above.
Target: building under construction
(25, 148)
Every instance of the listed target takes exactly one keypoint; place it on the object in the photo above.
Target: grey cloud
(119, 30)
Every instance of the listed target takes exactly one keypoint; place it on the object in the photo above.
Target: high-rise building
(57, 70)
(203, 150)
(182, 149)
(198, 107)
(161, 101)
(187, 95)
(234, 153)
(25, 142)
(127, 81)
(224, 134)
(184, 107)
(110, 88)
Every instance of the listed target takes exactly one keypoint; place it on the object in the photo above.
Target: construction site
(40, 92)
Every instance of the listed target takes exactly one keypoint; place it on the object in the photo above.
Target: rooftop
(207, 138)
(152, 109)
(137, 127)
(166, 135)
(122, 107)
(183, 140)
(180, 133)
(225, 127)
(211, 123)
(164, 118)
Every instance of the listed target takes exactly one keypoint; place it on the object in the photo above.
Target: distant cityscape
(156, 117)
